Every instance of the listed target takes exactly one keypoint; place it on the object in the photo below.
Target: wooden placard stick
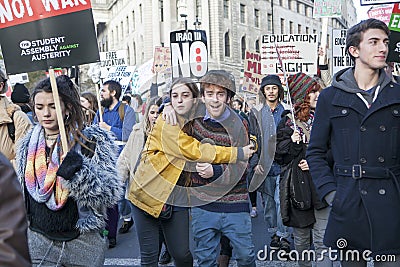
(60, 119)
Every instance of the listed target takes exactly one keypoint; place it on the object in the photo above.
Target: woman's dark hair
(354, 34)
(68, 93)
(189, 83)
(94, 106)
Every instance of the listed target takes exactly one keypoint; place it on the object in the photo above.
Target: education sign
(298, 53)
(340, 59)
(189, 56)
(37, 35)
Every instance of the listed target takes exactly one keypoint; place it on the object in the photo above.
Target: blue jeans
(272, 207)
(207, 228)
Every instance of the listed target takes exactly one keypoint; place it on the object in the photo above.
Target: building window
(141, 13)
(298, 28)
(198, 8)
(307, 30)
(116, 41)
(161, 8)
(282, 26)
(242, 13)
(133, 21)
(112, 38)
(127, 25)
(226, 9)
(227, 44)
(269, 19)
(291, 27)
(257, 46)
(134, 54)
(256, 18)
(122, 29)
(243, 46)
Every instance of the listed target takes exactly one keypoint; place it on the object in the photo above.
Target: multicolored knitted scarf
(40, 179)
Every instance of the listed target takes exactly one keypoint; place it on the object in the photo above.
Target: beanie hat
(221, 78)
(300, 85)
(271, 79)
(20, 94)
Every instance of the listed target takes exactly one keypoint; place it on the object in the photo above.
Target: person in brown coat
(13, 224)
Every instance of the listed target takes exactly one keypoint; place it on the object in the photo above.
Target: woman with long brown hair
(90, 106)
(66, 192)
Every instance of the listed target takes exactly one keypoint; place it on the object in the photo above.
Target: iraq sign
(37, 35)
(189, 55)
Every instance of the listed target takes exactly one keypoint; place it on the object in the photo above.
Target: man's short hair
(114, 86)
(354, 34)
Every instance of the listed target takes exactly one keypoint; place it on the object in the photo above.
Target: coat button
(382, 128)
(395, 112)
(363, 128)
(344, 111)
(363, 160)
(381, 159)
(363, 192)
(382, 191)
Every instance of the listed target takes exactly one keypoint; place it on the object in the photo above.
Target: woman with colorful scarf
(66, 194)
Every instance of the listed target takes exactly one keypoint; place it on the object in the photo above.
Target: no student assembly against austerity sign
(40, 34)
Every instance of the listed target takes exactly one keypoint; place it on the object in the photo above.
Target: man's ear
(353, 51)
(112, 93)
(202, 99)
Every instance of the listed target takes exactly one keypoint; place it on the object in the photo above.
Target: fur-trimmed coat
(95, 186)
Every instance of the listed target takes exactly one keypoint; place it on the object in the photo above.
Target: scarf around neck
(41, 180)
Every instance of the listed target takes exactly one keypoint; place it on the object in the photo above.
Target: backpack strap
(11, 128)
(121, 111)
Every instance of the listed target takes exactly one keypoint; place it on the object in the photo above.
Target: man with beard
(119, 119)
(272, 93)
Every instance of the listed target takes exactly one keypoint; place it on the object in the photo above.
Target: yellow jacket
(164, 155)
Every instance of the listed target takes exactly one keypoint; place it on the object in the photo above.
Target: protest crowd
(320, 151)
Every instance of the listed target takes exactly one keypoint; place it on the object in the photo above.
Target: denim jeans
(272, 207)
(176, 237)
(207, 228)
(125, 208)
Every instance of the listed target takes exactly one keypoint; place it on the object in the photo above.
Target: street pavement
(126, 253)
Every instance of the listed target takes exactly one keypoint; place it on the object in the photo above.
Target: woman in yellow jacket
(162, 161)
